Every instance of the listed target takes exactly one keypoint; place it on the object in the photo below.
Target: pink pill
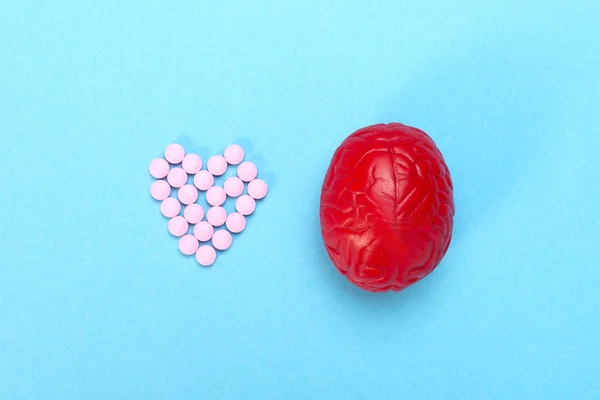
(221, 240)
(177, 177)
(159, 168)
(257, 189)
(216, 165)
(206, 255)
(192, 163)
(188, 245)
(216, 216)
(216, 196)
(178, 226)
(193, 213)
(160, 190)
(204, 231)
(174, 153)
(233, 186)
(188, 194)
(236, 222)
(245, 205)
(247, 171)
(204, 180)
(234, 154)
(170, 207)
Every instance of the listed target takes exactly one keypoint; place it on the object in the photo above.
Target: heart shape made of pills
(211, 230)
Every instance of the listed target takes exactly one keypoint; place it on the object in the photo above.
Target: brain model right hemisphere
(387, 207)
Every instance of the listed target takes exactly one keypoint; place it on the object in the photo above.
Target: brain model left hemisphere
(387, 207)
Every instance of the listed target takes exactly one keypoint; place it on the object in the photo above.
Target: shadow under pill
(246, 143)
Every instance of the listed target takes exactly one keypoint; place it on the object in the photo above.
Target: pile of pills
(211, 229)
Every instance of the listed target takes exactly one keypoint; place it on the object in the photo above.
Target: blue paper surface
(96, 302)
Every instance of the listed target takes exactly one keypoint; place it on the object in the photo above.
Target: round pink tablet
(216, 216)
(204, 231)
(257, 189)
(160, 190)
(234, 154)
(188, 194)
(221, 239)
(233, 186)
(193, 213)
(204, 180)
(216, 165)
(216, 196)
(159, 168)
(174, 153)
(236, 222)
(177, 177)
(192, 163)
(245, 205)
(178, 226)
(247, 171)
(206, 255)
(170, 207)
(188, 245)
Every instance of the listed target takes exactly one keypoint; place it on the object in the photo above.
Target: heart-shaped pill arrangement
(203, 233)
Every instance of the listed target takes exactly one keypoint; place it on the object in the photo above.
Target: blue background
(97, 303)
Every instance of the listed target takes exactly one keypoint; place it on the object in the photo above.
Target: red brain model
(387, 207)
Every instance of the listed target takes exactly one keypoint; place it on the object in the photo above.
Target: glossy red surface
(387, 207)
